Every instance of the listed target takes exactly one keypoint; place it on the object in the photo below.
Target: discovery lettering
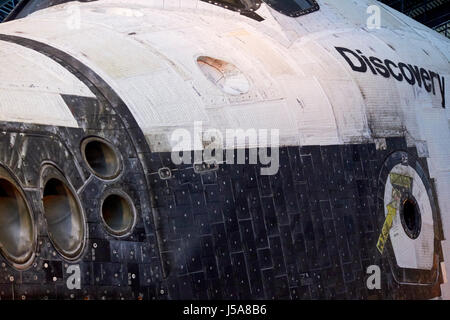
(401, 71)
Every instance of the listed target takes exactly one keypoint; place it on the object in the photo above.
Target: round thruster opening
(410, 217)
(118, 214)
(17, 232)
(63, 214)
(101, 157)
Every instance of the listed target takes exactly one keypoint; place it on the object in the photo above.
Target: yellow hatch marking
(392, 212)
(397, 180)
(400, 180)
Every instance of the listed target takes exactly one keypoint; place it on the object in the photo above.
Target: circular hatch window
(407, 206)
(64, 215)
(101, 157)
(410, 217)
(17, 236)
(224, 75)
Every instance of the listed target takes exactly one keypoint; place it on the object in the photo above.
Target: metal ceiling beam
(444, 28)
(6, 6)
(432, 13)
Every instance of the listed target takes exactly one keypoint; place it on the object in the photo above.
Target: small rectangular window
(293, 8)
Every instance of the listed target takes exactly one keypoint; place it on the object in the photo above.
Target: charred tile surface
(308, 232)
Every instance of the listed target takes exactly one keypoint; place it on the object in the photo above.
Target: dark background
(433, 13)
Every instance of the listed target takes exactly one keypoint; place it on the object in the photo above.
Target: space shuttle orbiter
(233, 149)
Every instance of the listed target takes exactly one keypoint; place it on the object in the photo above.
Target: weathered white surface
(31, 86)
(147, 50)
(35, 107)
(25, 69)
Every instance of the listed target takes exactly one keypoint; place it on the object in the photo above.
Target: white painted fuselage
(300, 82)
